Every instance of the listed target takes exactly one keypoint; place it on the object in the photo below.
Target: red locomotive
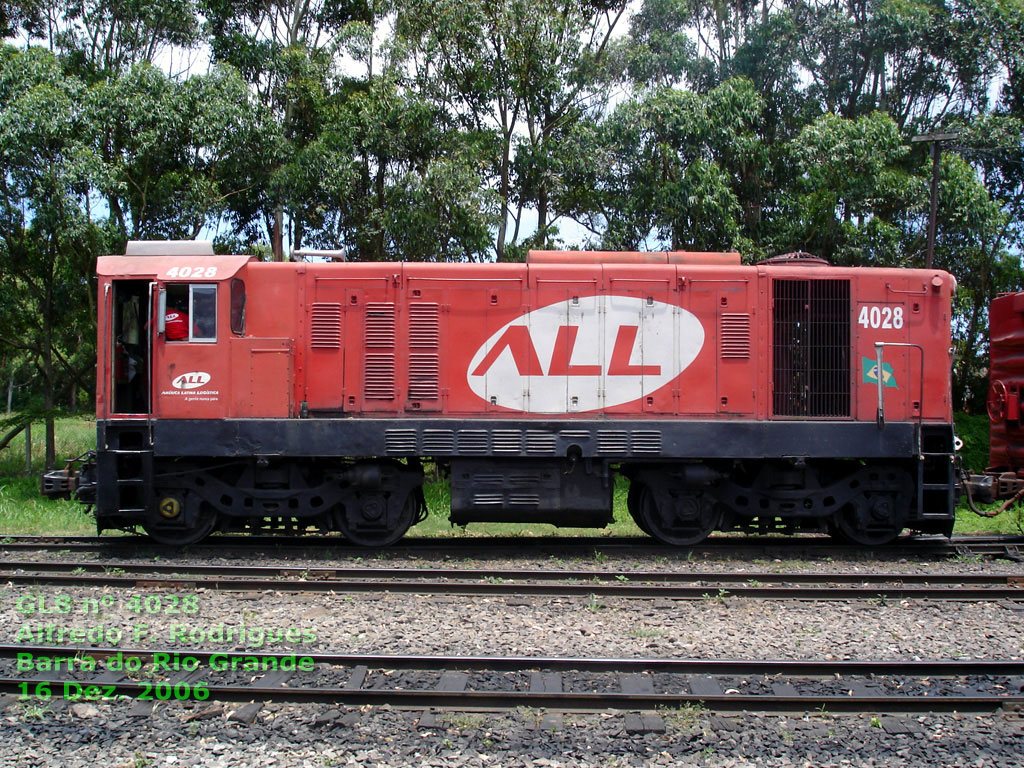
(789, 395)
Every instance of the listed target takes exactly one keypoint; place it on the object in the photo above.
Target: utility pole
(936, 139)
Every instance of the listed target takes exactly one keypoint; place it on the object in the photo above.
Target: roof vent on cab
(169, 248)
(797, 258)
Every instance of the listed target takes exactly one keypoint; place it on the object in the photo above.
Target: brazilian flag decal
(871, 373)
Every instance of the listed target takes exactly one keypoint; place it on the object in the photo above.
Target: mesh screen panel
(811, 348)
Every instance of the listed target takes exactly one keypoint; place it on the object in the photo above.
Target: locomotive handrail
(879, 345)
(890, 289)
(424, 278)
(108, 359)
(161, 300)
(666, 281)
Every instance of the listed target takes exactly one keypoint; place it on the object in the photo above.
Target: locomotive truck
(789, 395)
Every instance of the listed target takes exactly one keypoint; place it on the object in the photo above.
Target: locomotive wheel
(633, 505)
(363, 533)
(181, 536)
(688, 521)
(871, 520)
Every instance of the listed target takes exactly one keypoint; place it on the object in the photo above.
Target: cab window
(191, 313)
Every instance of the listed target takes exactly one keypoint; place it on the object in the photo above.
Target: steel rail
(1010, 547)
(714, 578)
(503, 543)
(432, 662)
(355, 695)
(473, 700)
(675, 592)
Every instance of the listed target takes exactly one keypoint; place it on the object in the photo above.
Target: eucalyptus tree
(523, 71)
(395, 179)
(669, 164)
(47, 243)
(286, 50)
(175, 151)
(98, 39)
(859, 199)
(18, 16)
(918, 60)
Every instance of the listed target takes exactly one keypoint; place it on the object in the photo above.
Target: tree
(47, 244)
(284, 49)
(856, 201)
(98, 39)
(525, 72)
(175, 152)
(394, 179)
(669, 164)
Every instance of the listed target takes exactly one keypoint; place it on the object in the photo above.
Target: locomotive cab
(166, 314)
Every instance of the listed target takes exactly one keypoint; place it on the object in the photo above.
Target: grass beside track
(23, 511)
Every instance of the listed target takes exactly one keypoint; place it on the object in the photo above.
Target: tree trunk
(277, 235)
(48, 383)
(503, 187)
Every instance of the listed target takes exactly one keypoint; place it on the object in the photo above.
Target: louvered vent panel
(646, 442)
(401, 441)
(488, 500)
(379, 342)
(574, 434)
(612, 442)
(379, 383)
(326, 327)
(540, 443)
(424, 352)
(507, 441)
(380, 325)
(472, 441)
(424, 376)
(734, 336)
(440, 441)
(424, 326)
(524, 500)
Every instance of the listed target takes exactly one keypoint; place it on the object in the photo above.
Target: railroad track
(632, 584)
(1010, 547)
(472, 683)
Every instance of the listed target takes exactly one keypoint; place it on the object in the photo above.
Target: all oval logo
(585, 354)
(191, 380)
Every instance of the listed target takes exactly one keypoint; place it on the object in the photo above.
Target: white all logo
(191, 380)
(585, 354)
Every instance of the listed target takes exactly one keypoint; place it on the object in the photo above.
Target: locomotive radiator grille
(811, 348)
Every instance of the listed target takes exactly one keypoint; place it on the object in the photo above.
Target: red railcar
(1004, 478)
(790, 394)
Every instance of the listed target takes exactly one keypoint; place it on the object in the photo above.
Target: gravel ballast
(204, 733)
